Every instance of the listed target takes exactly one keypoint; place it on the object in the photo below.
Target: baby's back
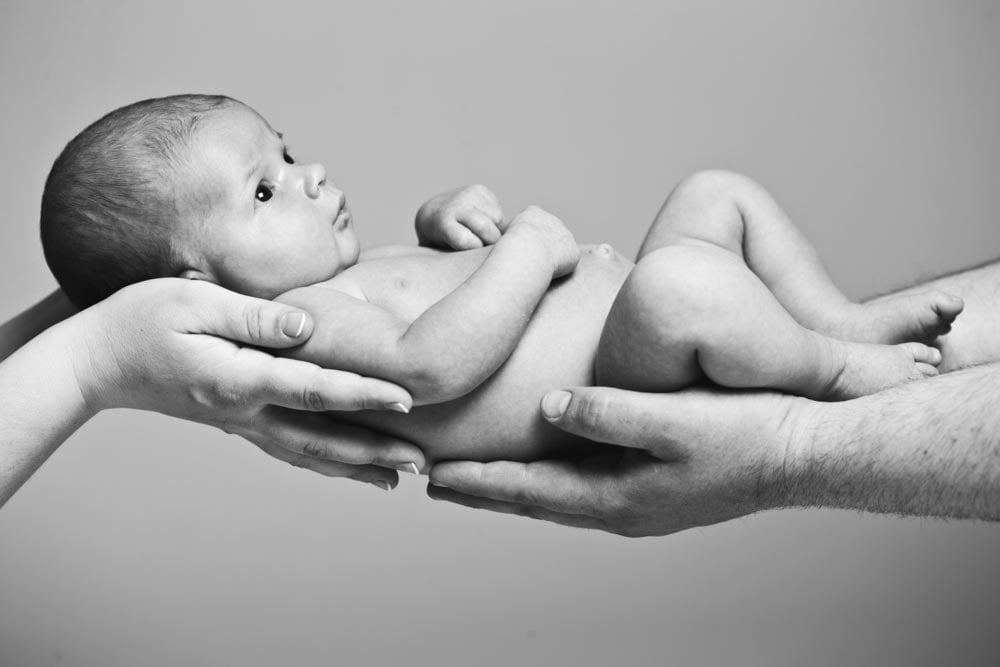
(500, 419)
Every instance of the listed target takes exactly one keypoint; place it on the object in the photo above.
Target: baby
(724, 287)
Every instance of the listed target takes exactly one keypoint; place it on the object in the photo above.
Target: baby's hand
(461, 219)
(554, 236)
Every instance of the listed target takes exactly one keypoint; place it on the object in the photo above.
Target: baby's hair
(109, 202)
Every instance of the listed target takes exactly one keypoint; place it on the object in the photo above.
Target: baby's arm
(462, 339)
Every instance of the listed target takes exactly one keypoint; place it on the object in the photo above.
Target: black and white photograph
(431, 332)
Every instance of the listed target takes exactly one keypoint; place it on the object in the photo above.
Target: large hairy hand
(690, 458)
(189, 349)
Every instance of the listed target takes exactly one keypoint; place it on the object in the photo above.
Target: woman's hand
(174, 346)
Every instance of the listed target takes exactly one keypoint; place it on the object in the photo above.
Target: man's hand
(690, 458)
(183, 348)
(460, 219)
(552, 234)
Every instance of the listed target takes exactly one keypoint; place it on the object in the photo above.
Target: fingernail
(438, 484)
(382, 484)
(397, 407)
(292, 324)
(554, 403)
(409, 467)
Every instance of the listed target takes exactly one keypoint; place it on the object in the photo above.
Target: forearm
(40, 406)
(975, 335)
(929, 448)
(52, 309)
(462, 339)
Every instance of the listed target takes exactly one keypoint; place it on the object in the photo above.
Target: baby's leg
(688, 311)
(731, 211)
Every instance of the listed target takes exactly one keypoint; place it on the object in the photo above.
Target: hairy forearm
(40, 406)
(22, 328)
(929, 448)
(975, 335)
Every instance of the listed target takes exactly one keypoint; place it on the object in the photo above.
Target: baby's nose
(314, 180)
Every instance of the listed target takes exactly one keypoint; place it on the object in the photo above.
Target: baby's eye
(287, 156)
(263, 193)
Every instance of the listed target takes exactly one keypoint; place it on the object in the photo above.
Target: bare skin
(698, 457)
(167, 345)
(443, 324)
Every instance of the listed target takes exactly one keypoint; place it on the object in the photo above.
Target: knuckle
(315, 449)
(591, 410)
(302, 462)
(313, 400)
(253, 321)
(525, 496)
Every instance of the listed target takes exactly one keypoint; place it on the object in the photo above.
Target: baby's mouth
(342, 219)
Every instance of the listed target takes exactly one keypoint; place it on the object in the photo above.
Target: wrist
(800, 431)
(531, 247)
(87, 353)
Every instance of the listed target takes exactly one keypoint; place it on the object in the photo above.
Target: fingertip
(386, 482)
(449, 474)
(463, 239)
(296, 325)
(554, 404)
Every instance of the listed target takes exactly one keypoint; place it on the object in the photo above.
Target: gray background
(148, 541)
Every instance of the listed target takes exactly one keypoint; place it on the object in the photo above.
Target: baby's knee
(685, 278)
(712, 184)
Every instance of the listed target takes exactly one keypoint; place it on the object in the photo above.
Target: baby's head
(194, 186)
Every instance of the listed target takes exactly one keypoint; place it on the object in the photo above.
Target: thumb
(253, 321)
(612, 416)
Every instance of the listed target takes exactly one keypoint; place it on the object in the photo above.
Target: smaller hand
(554, 236)
(461, 219)
(191, 349)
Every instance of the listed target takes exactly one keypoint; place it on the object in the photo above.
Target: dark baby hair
(109, 204)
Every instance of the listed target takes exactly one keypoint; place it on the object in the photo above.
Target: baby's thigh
(673, 303)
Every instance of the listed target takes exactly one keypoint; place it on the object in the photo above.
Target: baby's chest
(409, 285)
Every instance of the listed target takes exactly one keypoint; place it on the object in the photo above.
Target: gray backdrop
(148, 541)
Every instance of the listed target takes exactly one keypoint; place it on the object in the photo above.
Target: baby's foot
(899, 318)
(868, 368)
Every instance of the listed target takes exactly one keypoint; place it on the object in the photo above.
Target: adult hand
(690, 458)
(174, 346)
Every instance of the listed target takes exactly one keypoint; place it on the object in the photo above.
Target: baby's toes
(944, 308)
(924, 354)
(947, 306)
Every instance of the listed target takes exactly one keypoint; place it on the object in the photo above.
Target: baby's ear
(195, 274)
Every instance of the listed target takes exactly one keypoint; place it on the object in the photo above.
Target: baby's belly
(501, 419)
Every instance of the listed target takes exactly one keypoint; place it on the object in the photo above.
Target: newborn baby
(724, 288)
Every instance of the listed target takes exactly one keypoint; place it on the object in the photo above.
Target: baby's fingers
(480, 224)
(459, 237)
